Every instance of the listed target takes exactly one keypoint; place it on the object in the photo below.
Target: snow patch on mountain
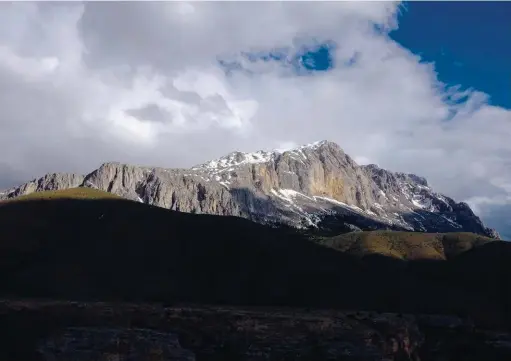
(235, 159)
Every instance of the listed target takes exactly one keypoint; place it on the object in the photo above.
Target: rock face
(49, 182)
(315, 185)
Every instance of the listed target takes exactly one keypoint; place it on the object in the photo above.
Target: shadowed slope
(122, 250)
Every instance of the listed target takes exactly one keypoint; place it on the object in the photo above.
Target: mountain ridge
(315, 186)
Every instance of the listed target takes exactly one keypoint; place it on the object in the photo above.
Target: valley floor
(60, 330)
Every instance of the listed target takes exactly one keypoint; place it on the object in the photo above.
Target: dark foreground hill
(99, 331)
(118, 250)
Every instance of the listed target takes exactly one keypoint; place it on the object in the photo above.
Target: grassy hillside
(406, 245)
(71, 193)
(119, 250)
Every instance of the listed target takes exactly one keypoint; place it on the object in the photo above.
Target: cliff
(316, 186)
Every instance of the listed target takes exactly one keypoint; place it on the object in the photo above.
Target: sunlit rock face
(305, 187)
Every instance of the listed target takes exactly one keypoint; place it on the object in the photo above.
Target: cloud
(174, 84)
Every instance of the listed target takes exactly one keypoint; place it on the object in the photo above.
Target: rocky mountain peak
(236, 158)
(378, 172)
(301, 187)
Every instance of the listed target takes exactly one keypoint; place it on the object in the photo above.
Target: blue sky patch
(311, 59)
(470, 44)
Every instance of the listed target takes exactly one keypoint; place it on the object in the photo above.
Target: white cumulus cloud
(85, 83)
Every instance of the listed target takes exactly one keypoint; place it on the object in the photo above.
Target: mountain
(316, 187)
(89, 246)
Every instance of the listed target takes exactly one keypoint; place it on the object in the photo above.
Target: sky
(413, 87)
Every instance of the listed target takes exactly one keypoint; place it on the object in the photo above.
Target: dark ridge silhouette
(118, 250)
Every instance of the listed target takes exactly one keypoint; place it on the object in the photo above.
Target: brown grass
(406, 245)
(71, 193)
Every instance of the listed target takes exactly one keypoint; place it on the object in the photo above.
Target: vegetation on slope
(406, 245)
(71, 193)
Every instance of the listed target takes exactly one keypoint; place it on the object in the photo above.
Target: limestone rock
(310, 186)
(49, 182)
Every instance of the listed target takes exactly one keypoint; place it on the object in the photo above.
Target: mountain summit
(315, 186)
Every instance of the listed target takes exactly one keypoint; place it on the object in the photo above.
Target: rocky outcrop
(105, 344)
(310, 186)
(49, 182)
(101, 331)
